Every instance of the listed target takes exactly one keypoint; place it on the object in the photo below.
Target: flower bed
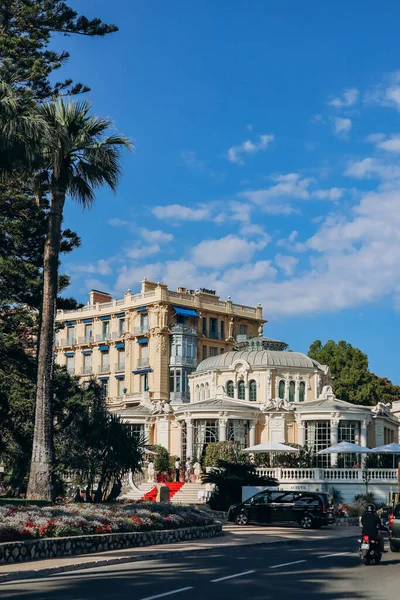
(32, 522)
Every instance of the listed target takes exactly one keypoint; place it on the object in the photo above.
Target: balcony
(86, 370)
(87, 339)
(103, 369)
(103, 337)
(182, 361)
(119, 367)
(143, 362)
(183, 329)
(141, 330)
(67, 342)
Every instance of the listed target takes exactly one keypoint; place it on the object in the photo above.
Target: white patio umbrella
(270, 447)
(346, 448)
(148, 452)
(388, 449)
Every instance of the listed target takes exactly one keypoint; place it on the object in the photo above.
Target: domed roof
(259, 358)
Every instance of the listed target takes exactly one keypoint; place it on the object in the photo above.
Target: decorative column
(246, 392)
(252, 433)
(268, 377)
(301, 430)
(296, 387)
(222, 421)
(364, 437)
(334, 435)
(189, 438)
(287, 383)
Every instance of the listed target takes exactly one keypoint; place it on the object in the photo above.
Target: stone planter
(38, 549)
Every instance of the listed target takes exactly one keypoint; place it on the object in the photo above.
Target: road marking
(167, 593)
(295, 562)
(229, 577)
(337, 554)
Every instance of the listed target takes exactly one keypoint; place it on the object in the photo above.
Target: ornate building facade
(186, 369)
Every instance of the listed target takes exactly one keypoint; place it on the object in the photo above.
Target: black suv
(308, 509)
(394, 529)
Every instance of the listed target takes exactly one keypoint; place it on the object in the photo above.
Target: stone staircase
(188, 494)
(173, 489)
(138, 492)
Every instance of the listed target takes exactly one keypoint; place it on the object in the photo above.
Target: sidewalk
(233, 535)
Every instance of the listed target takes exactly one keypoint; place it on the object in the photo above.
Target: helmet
(371, 508)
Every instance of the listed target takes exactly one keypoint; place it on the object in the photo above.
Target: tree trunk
(40, 477)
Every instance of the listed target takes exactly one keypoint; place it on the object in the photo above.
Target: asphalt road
(312, 570)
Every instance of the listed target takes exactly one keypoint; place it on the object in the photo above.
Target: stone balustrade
(296, 475)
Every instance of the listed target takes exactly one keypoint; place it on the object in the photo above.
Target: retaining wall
(13, 552)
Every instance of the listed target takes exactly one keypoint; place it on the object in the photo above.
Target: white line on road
(168, 593)
(295, 562)
(337, 554)
(230, 577)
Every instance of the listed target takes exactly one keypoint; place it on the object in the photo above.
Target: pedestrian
(188, 469)
(177, 469)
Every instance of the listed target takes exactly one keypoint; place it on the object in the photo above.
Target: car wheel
(306, 522)
(241, 519)
(394, 548)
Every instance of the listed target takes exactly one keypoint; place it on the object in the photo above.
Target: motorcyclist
(372, 525)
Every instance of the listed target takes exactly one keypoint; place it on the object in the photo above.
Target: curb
(103, 562)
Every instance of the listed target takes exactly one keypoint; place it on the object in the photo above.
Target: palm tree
(77, 157)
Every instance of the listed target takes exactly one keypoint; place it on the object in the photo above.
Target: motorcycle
(370, 550)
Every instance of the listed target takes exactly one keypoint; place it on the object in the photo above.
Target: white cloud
(373, 167)
(156, 235)
(341, 126)
(286, 263)
(228, 250)
(391, 144)
(235, 153)
(139, 251)
(118, 223)
(101, 267)
(348, 98)
(178, 212)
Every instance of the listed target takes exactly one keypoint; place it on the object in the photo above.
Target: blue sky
(267, 161)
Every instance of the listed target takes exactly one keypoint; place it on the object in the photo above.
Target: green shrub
(162, 460)
(336, 495)
(229, 451)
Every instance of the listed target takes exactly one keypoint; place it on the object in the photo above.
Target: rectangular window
(144, 323)
(172, 381)
(144, 382)
(180, 319)
(70, 364)
(105, 330)
(204, 321)
(222, 330)
(242, 329)
(221, 351)
(213, 351)
(213, 328)
(318, 437)
(121, 359)
(71, 335)
(136, 430)
(204, 352)
(178, 381)
(105, 361)
(87, 363)
(104, 386)
(120, 386)
(88, 332)
(121, 326)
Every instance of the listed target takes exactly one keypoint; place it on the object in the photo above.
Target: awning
(69, 323)
(120, 315)
(142, 371)
(69, 353)
(103, 378)
(105, 318)
(87, 320)
(119, 346)
(119, 376)
(185, 312)
(103, 348)
(142, 341)
(86, 352)
(141, 308)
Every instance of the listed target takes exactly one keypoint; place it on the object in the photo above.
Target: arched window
(302, 391)
(230, 389)
(292, 388)
(207, 391)
(202, 396)
(281, 389)
(252, 391)
(241, 390)
(197, 393)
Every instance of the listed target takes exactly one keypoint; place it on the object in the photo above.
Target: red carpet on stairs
(173, 488)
